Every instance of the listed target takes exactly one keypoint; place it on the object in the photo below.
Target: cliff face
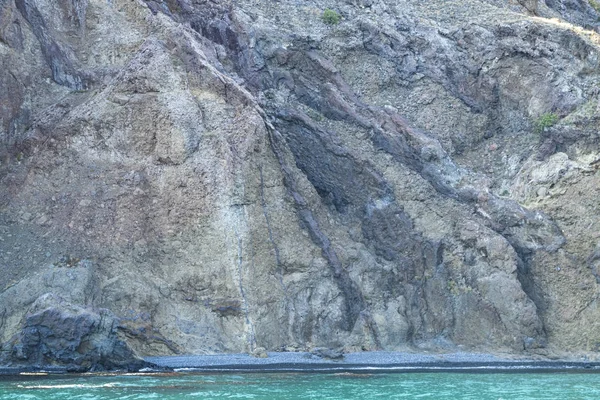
(189, 176)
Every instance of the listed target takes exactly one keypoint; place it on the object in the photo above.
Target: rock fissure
(354, 303)
(251, 338)
(61, 65)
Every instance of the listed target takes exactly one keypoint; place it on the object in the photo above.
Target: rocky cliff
(203, 176)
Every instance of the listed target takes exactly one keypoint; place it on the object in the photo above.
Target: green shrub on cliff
(545, 121)
(331, 17)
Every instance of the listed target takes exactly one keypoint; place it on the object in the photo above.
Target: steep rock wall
(221, 176)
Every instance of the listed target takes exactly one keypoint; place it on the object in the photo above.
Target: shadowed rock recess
(199, 177)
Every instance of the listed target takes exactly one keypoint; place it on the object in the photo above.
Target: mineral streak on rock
(237, 176)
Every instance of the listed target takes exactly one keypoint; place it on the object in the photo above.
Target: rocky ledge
(56, 333)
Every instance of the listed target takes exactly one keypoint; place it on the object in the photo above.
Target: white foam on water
(186, 369)
(69, 386)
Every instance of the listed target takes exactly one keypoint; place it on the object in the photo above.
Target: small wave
(187, 369)
(353, 374)
(155, 373)
(68, 386)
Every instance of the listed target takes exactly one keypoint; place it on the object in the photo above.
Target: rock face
(57, 333)
(199, 177)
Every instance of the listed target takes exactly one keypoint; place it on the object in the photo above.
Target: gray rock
(330, 354)
(260, 352)
(55, 332)
(224, 174)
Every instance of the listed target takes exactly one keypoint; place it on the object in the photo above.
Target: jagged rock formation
(218, 176)
(71, 336)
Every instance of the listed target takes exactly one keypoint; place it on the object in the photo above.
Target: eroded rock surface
(58, 333)
(225, 176)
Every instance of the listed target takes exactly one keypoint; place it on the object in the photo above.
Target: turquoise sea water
(493, 386)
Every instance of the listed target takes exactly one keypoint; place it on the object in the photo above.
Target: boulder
(57, 333)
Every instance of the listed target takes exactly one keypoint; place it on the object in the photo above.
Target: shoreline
(304, 362)
(366, 362)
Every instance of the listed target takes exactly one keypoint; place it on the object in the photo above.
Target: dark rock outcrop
(56, 333)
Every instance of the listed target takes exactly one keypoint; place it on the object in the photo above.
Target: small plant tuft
(453, 287)
(331, 17)
(545, 121)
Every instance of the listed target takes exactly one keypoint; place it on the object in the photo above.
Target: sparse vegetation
(331, 17)
(174, 6)
(595, 5)
(315, 115)
(545, 121)
(453, 287)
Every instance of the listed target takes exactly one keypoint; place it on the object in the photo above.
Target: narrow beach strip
(360, 363)
(364, 362)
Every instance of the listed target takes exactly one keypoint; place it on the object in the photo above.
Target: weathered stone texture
(196, 177)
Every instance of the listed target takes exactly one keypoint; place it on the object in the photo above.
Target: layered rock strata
(220, 176)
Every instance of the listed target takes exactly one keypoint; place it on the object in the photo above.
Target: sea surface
(439, 385)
